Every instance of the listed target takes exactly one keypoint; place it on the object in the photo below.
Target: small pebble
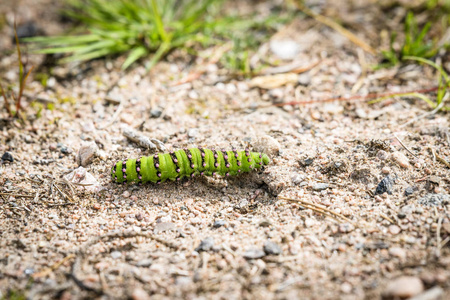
(126, 194)
(145, 263)
(205, 245)
(268, 145)
(409, 191)
(116, 254)
(219, 223)
(385, 185)
(297, 178)
(346, 228)
(140, 294)
(309, 222)
(7, 157)
(192, 133)
(400, 159)
(346, 287)
(320, 186)
(164, 226)
(404, 287)
(66, 150)
(284, 49)
(386, 170)
(382, 155)
(394, 229)
(434, 199)
(86, 153)
(254, 254)
(155, 113)
(304, 79)
(397, 252)
(270, 248)
(265, 223)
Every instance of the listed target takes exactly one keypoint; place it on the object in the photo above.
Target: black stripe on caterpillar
(187, 163)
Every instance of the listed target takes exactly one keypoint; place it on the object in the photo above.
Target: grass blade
(135, 54)
(8, 109)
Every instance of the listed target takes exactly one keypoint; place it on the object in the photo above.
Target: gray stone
(86, 154)
(156, 113)
(205, 245)
(404, 287)
(434, 199)
(192, 133)
(254, 253)
(297, 178)
(164, 226)
(219, 223)
(409, 191)
(321, 186)
(272, 248)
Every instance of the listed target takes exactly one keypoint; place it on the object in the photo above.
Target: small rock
(265, 223)
(385, 185)
(156, 113)
(254, 253)
(361, 113)
(81, 175)
(304, 79)
(397, 252)
(404, 287)
(435, 293)
(434, 199)
(297, 178)
(205, 245)
(28, 29)
(139, 294)
(382, 155)
(219, 223)
(346, 287)
(284, 49)
(116, 254)
(307, 162)
(400, 159)
(386, 170)
(434, 179)
(126, 194)
(7, 157)
(409, 191)
(192, 133)
(86, 153)
(320, 186)
(268, 145)
(164, 226)
(270, 248)
(332, 108)
(144, 263)
(346, 228)
(66, 150)
(394, 229)
(309, 222)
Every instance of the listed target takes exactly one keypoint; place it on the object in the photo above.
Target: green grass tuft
(415, 43)
(147, 29)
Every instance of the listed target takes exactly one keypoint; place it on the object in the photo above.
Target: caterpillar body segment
(186, 163)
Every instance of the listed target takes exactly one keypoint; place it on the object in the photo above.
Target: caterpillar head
(265, 159)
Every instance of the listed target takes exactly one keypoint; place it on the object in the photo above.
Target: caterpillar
(186, 163)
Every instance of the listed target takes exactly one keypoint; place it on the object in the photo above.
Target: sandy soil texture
(354, 204)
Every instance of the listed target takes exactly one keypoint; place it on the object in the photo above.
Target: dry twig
(330, 23)
(320, 209)
(404, 146)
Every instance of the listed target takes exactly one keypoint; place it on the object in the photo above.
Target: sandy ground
(341, 234)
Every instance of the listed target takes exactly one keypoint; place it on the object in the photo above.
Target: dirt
(236, 237)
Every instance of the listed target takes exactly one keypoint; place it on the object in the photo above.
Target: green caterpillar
(186, 163)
